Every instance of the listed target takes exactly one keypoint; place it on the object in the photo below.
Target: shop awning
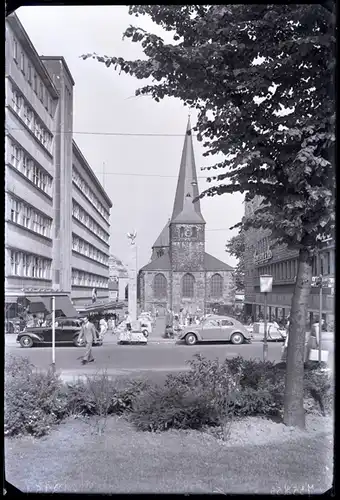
(39, 304)
(65, 305)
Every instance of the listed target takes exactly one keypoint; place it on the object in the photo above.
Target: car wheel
(237, 338)
(190, 339)
(145, 333)
(78, 343)
(26, 341)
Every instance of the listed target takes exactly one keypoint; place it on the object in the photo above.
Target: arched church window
(188, 285)
(216, 285)
(194, 232)
(181, 232)
(160, 252)
(160, 286)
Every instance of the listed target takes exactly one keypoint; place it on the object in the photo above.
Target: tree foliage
(236, 247)
(242, 67)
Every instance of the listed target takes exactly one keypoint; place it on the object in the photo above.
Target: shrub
(318, 385)
(202, 396)
(33, 400)
(100, 395)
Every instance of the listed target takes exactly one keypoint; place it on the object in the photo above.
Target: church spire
(185, 210)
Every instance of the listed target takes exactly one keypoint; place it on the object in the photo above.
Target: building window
(15, 260)
(15, 210)
(26, 262)
(15, 50)
(22, 62)
(160, 286)
(216, 285)
(41, 91)
(16, 100)
(188, 282)
(181, 232)
(27, 216)
(284, 270)
(194, 232)
(29, 73)
(35, 83)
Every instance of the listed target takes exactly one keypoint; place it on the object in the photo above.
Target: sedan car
(216, 328)
(66, 332)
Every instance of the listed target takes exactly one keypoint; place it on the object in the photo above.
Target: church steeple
(185, 211)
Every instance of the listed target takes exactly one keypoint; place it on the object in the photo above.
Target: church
(181, 274)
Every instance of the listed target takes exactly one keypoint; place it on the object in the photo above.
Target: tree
(286, 157)
(236, 247)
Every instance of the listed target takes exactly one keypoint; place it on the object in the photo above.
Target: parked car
(216, 328)
(66, 332)
(274, 334)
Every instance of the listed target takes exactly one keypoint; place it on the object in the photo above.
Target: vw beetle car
(216, 328)
(66, 332)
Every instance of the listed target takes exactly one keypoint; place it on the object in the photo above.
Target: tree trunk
(294, 414)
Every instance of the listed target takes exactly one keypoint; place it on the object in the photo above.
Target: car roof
(217, 316)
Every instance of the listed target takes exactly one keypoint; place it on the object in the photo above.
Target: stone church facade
(180, 273)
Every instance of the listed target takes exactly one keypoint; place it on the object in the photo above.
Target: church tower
(187, 233)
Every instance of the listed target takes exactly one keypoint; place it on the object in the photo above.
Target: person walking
(88, 333)
(128, 321)
(169, 324)
(103, 327)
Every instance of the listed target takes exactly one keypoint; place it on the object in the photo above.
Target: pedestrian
(128, 321)
(169, 324)
(103, 327)
(88, 333)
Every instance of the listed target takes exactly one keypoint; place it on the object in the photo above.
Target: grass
(74, 459)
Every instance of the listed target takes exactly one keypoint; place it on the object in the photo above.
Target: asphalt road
(153, 357)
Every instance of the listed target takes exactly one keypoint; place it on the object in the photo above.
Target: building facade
(90, 232)
(181, 275)
(38, 169)
(119, 274)
(262, 257)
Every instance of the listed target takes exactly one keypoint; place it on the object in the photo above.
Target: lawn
(74, 458)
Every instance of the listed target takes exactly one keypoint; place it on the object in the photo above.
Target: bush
(205, 395)
(33, 400)
(318, 386)
(100, 395)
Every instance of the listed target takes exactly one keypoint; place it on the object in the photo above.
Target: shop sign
(261, 258)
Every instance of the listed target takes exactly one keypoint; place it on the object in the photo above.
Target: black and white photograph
(170, 249)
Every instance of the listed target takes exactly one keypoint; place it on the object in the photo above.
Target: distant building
(119, 273)
(90, 232)
(181, 274)
(40, 197)
(261, 257)
(113, 290)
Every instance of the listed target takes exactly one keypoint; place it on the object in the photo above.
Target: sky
(139, 173)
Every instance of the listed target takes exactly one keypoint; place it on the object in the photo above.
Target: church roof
(163, 238)
(160, 264)
(187, 187)
(213, 264)
(210, 264)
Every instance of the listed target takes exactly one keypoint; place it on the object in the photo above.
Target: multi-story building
(120, 275)
(90, 232)
(38, 174)
(262, 257)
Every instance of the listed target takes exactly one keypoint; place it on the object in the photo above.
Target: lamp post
(53, 334)
(132, 298)
(266, 285)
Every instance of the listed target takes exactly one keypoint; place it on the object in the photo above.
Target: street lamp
(266, 285)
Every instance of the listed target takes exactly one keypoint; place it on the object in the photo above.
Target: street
(154, 357)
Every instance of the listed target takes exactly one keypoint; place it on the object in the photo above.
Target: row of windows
(25, 215)
(288, 269)
(82, 278)
(32, 121)
(85, 248)
(28, 265)
(160, 287)
(262, 245)
(79, 213)
(27, 166)
(32, 77)
(87, 191)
